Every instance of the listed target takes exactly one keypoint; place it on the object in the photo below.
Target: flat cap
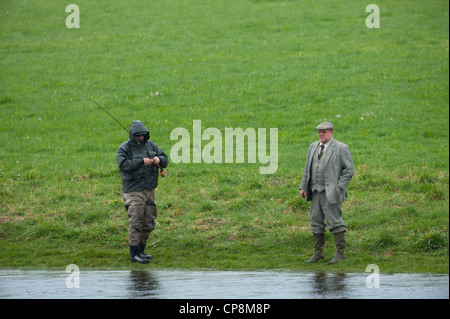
(325, 126)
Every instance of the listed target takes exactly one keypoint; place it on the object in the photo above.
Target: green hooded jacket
(130, 158)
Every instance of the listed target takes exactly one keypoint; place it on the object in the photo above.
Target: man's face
(140, 138)
(325, 135)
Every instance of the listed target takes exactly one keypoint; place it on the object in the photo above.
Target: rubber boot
(339, 240)
(319, 244)
(135, 257)
(142, 254)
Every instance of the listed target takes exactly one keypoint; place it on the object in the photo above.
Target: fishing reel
(162, 172)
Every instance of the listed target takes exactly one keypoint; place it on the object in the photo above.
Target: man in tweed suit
(328, 170)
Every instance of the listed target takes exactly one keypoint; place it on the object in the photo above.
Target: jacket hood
(137, 127)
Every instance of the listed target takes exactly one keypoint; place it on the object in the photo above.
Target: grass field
(237, 63)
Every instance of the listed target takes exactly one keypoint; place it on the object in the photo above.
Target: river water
(182, 284)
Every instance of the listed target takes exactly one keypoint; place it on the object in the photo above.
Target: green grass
(283, 64)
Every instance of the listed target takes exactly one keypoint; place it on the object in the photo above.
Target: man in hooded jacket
(139, 160)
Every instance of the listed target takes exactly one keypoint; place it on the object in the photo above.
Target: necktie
(321, 150)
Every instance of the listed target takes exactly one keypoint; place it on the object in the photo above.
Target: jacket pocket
(340, 193)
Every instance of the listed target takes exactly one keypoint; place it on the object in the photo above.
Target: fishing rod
(151, 154)
(107, 113)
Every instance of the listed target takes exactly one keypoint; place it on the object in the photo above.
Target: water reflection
(179, 284)
(326, 285)
(142, 284)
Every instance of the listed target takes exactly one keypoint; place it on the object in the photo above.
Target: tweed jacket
(338, 171)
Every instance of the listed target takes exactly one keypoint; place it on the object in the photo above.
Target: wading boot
(142, 254)
(319, 243)
(135, 257)
(339, 240)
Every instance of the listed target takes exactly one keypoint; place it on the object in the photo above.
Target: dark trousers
(141, 208)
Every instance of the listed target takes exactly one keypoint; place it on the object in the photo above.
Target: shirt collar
(327, 144)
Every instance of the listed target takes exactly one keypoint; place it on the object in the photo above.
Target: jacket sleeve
(303, 184)
(125, 161)
(348, 168)
(163, 160)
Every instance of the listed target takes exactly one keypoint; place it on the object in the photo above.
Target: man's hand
(148, 161)
(302, 193)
